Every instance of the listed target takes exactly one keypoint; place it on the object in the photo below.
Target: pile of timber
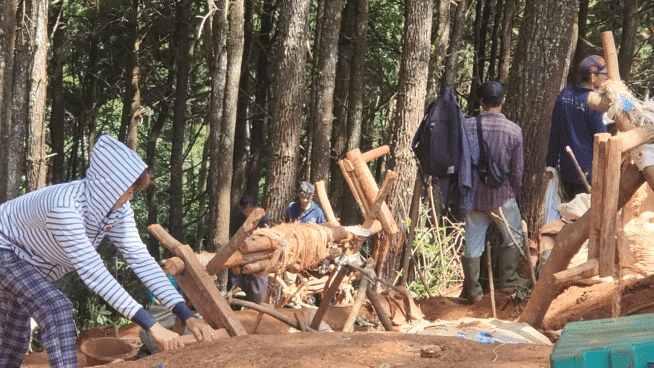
(292, 247)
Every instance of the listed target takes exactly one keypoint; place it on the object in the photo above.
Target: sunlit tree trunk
(132, 97)
(325, 80)
(440, 39)
(287, 113)
(539, 70)
(7, 45)
(414, 68)
(455, 47)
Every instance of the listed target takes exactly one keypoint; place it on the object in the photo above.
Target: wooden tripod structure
(197, 283)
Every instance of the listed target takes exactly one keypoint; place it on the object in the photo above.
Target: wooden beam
(581, 272)
(375, 153)
(199, 286)
(385, 189)
(609, 209)
(321, 193)
(250, 224)
(597, 193)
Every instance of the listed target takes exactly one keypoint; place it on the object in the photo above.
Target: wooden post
(199, 286)
(321, 193)
(327, 298)
(596, 194)
(610, 55)
(609, 208)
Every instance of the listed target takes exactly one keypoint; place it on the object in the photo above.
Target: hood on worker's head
(113, 168)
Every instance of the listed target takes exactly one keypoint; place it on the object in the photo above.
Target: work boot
(509, 278)
(472, 292)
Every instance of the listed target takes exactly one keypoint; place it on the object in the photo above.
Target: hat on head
(491, 93)
(593, 64)
(307, 188)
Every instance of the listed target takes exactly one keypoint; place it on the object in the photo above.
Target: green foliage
(436, 249)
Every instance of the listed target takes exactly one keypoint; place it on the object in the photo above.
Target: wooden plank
(581, 272)
(250, 224)
(596, 195)
(609, 208)
(370, 190)
(391, 176)
(216, 304)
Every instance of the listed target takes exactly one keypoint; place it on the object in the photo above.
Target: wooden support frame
(199, 287)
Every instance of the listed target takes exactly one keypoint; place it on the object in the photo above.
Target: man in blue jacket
(305, 210)
(574, 124)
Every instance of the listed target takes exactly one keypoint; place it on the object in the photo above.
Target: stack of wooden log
(293, 247)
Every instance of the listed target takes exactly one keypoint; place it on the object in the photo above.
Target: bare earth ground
(274, 346)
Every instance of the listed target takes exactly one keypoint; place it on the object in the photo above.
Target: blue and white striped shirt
(58, 228)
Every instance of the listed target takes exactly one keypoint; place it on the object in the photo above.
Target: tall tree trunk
(412, 90)
(325, 81)
(482, 20)
(495, 41)
(337, 187)
(151, 191)
(184, 56)
(38, 88)
(7, 44)
(242, 120)
(260, 113)
(440, 41)
(287, 107)
(132, 97)
(539, 70)
(58, 111)
(355, 106)
(580, 50)
(215, 36)
(454, 50)
(225, 166)
(504, 64)
(628, 40)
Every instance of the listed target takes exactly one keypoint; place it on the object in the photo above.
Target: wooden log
(567, 244)
(269, 311)
(240, 259)
(597, 193)
(250, 224)
(327, 298)
(255, 267)
(583, 271)
(174, 266)
(376, 304)
(321, 193)
(198, 286)
(370, 190)
(385, 189)
(609, 209)
(348, 174)
(348, 326)
(610, 55)
(257, 243)
(375, 153)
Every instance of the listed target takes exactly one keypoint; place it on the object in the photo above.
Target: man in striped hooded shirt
(52, 231)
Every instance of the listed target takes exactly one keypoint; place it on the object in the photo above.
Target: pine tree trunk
(132, 97)
(412, 90)
(38, 88)
(184, 56)
(628, 39)
(58, 111)
(325, 82)
(7, 45)
(540, 67)
(287, 107)
(226, 152)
